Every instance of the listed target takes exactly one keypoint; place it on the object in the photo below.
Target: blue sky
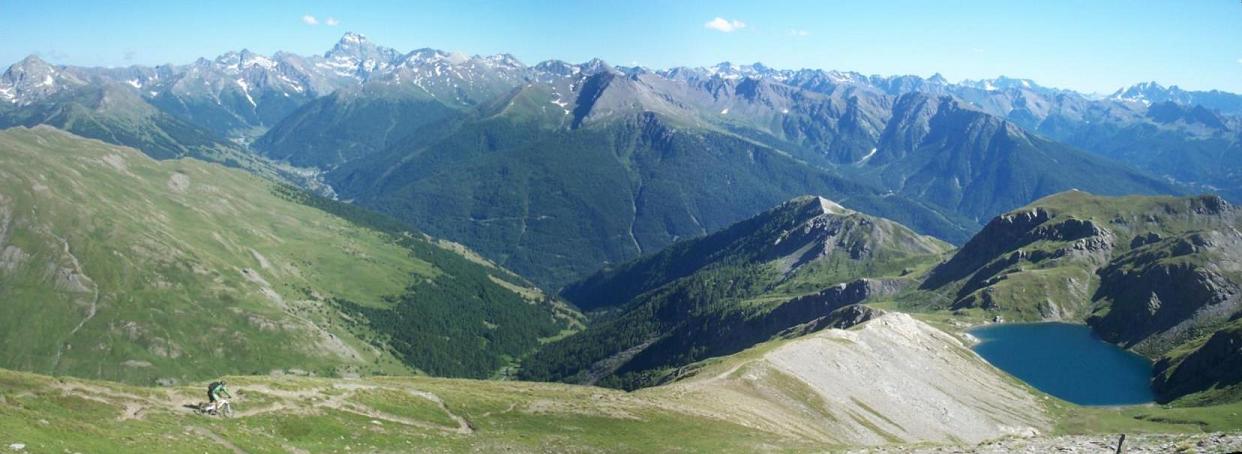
(1094, 46)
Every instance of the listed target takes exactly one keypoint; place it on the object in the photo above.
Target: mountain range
(498, 155)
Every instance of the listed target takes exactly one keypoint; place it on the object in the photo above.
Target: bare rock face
(892, 379)
(849, 293)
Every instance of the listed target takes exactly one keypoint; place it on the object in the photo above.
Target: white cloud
(331, 21)
(798, 33)
(725, 25)
(310, 20)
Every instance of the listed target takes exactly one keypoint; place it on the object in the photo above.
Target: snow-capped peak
(32, 79)
(355, 56)
(596, 66)
(504, 60)
(353, 38)
(240, 61)
(1000, 83)
(557, 68)
(1146, 93)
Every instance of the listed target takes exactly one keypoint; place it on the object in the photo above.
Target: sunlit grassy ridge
(121, 267)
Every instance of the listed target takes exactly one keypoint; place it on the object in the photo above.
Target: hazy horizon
(1093, 48)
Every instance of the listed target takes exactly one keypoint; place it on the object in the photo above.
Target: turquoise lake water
(1067, 361)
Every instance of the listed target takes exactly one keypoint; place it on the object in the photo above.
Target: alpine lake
(1067, 361)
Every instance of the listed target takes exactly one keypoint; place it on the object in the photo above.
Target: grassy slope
(137, 270)
(386, 415)
(453, 415)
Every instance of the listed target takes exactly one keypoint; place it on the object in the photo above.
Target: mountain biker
(214, 391)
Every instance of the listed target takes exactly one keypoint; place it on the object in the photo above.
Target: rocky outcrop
(1215, 365)
(833, 307)
(842, 318)
(846, 293)
(1006, 232)
(1167, 292)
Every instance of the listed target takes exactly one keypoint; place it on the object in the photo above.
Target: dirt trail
(90, 311)
(338, 397)
(312, 398)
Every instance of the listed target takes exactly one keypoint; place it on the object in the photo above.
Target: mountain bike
(221, 408)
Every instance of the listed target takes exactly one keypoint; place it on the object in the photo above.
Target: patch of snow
(134, 82)
(457, 58)
(725, 111)
(831, 207)
(292, 83)
(246, 91)
(260, 61)
(562, 104)
(866, 157)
